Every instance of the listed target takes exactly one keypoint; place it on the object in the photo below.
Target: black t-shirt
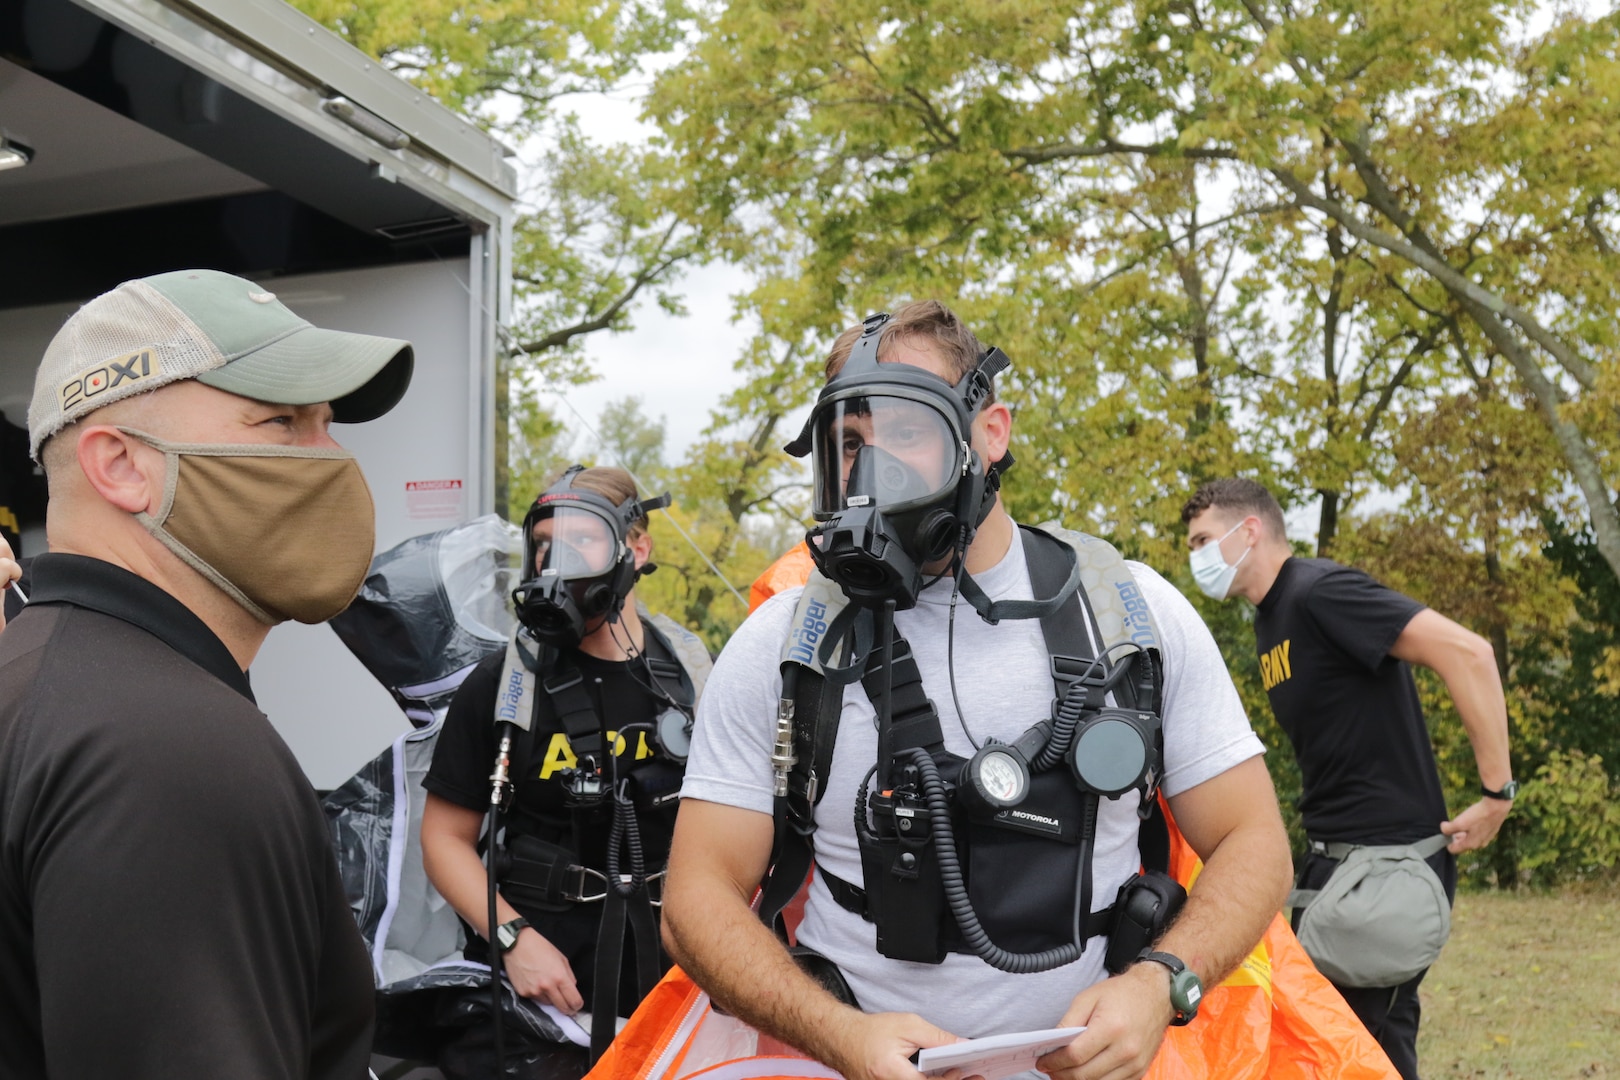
(1368, 772)
(170, 904)
(621, 693)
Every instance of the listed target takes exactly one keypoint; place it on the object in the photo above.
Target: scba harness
(989, 855)
(542, 865)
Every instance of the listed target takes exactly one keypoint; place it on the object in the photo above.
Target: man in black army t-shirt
(1334, 651)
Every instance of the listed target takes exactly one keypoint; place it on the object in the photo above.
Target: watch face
(1185, 992)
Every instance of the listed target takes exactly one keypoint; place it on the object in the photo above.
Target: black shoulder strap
(669, 672)
(813, 707)
(564, 685)
(913, 720)
(817, 704)
(1072, 631)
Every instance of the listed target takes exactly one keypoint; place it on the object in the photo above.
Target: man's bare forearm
(1476, 690)
(1241, 888)
(1247, 870)
(1466, 663)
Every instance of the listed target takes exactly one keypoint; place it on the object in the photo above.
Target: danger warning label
(434, 500)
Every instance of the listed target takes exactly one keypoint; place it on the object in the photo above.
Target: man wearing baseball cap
(169, 901)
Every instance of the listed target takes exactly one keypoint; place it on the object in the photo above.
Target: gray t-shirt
(1004, 683)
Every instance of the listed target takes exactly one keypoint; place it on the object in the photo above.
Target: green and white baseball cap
(221, 330)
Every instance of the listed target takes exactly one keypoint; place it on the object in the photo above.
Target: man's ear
(1256, 529)
(641, 547)
(992, 429)
(125, 472)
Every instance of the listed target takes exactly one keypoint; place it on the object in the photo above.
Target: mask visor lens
(882, 451)
(575, 542)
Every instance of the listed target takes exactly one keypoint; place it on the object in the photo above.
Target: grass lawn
(1528, 986)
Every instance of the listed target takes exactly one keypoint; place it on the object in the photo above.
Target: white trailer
(239, 135)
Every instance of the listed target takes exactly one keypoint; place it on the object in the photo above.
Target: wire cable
(652, 685)
(960, 568)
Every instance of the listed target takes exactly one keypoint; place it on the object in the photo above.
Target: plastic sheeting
(431, 608)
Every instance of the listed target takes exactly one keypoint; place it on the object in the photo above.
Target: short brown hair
(1244, 496)
(918, 321)
(612, 483)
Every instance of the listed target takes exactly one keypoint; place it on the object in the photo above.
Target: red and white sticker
(434, 500)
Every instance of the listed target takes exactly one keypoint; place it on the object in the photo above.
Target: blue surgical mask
(1210, 570)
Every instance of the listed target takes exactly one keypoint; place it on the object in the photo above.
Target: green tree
(1440, 185)
(745, 497)
(473, 54)
(628, 438)
(541, 447)
(1345, 247)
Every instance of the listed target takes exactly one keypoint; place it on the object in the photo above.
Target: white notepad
(995, 1056)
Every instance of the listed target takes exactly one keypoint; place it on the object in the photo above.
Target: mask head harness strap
(862, 360)
(556, 610)
(974, 390)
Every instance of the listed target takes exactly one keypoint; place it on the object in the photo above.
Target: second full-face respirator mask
(576, 545)
(898, 486)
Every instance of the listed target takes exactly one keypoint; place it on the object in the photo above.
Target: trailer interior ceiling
(150, 163)
(145, 136)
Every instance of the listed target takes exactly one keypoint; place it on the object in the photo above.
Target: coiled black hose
(956, 894)
(1066, 718)
(627, 833)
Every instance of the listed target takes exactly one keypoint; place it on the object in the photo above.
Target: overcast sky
(679, 367)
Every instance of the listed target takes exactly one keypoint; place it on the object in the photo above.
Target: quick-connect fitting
(782, 757)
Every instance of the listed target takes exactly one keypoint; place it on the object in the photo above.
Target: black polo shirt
(1367, 768)
(169, 901)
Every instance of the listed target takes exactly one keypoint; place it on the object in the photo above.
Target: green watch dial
(506, 935)
(1186, 990)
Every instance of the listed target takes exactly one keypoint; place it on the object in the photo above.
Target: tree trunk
(1327, 523)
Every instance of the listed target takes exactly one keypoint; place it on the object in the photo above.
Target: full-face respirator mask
(898, 485)
(582, 562)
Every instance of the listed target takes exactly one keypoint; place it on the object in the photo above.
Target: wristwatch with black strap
(1185, 988)
(1508, 793)
(506, 934)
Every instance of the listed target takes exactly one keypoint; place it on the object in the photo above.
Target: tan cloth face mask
(285, 531)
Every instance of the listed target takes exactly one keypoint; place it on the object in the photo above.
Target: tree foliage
(1141, 201)
(505, 58)
(1361, 251)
